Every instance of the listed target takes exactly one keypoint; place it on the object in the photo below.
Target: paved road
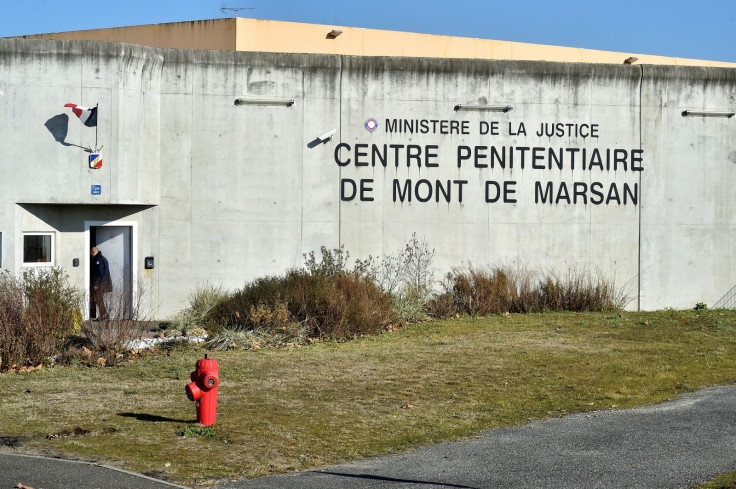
(671, 445)
(53, 473)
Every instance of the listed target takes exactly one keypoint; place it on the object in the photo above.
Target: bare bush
(38, 309)
(582, 288)
(441, 306)
(418, 256)
(523, 285)
(517, 288)
(479, 292)
(389, 272)
(125, 321)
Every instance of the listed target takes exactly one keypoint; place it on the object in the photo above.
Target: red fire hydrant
(203, 390)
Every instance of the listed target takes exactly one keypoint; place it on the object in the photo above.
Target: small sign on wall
(96, 189)
(95, 160)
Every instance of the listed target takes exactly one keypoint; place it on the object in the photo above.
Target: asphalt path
(53, 473)
(675, 444)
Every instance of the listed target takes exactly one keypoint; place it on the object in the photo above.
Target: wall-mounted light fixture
(490, 108)
(327, 136)
(708, 113)
(333, 33)
(264, 101)
(630, 60)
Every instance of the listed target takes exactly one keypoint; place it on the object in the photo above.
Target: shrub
(201, 301)
(274, 317)
(337, 307)
(581, 289)
(253, 306)
(410, 305)
(441, 306)
(332, 263)
(38, 309)
(480, 292)
(329, 300)
(326, 306)
(365, 309)
(518, 289)
(523, 288)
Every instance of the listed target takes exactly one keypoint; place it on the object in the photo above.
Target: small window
(38, 249)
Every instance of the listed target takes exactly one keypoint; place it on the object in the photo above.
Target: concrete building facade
(222, 166)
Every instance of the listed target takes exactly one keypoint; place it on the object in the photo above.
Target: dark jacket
(101, 273)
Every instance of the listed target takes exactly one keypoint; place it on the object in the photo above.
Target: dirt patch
(80, 432)
(11, 441)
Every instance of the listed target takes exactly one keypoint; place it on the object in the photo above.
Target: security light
(709, 113)
(490, 108)
(264, 101)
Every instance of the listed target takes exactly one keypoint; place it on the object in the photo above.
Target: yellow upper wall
(216, 34)
(291, 37)
(243, 34)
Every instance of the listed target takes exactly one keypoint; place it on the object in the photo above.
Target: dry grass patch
(724, 481)
(291, 409)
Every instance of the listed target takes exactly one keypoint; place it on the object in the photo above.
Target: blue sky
(701, 29)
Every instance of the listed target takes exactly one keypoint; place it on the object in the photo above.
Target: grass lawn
(302, 407)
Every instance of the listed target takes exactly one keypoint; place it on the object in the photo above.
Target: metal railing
(728, 301)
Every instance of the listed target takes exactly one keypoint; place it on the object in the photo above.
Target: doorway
(115, 242)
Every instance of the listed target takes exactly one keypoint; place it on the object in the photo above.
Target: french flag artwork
(95, 160)
(86, 115)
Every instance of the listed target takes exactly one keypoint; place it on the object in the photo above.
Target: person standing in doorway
(101, 284)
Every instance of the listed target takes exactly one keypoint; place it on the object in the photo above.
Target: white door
(115, 245)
